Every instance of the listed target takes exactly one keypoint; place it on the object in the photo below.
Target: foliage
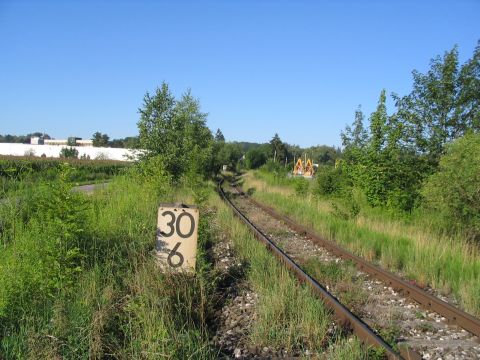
(49, 247)
(225, 154)
(278, 150)
(331, 181)
(257, 156)
(22, 139)
(62, 218)
(301, 186)
(443, 104)
(94, 256)
(322, 154)
(175, 130)
(99, 139)
(390, 160)
(69, 152)
(129, 142)
(454, 191)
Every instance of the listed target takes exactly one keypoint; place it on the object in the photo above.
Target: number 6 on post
(177, 233)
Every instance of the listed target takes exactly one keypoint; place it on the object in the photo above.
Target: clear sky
(299, 68)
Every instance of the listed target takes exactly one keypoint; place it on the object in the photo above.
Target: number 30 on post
(177, 233)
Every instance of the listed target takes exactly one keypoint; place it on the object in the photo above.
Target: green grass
(411, 248)
(83, 283)
(289, 315)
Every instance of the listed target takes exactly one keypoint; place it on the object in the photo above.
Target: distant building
(84, 142)
(55, 142)
(35, 140)
(71, 141)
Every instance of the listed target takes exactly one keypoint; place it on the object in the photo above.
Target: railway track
(439, 335)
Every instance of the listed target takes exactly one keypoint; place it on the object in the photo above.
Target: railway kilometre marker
(177, 234)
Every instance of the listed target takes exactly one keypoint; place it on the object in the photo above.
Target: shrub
(454, 191)
(330, 181)
(301, 186)
(69, 152)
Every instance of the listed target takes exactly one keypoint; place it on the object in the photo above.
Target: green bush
(454, 191)
(69, 152)
(301, 186)
(330, 181)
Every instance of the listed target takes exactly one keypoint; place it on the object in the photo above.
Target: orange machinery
(298, 168)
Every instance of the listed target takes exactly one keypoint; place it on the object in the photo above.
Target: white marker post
(177, 234)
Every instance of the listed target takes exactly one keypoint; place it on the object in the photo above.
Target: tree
(443, 104)
(219, 136)
(100, 140)
(356, 135)
(176, 132)
(378, 162)
(322, 154)
(257, 156)
(278, 149)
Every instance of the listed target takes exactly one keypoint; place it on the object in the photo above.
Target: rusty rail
(452, 314)
(345, 317)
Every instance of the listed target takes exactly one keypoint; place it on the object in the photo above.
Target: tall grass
(98, 293)
(448, 264)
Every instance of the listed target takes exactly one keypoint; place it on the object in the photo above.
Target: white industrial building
(49, 150)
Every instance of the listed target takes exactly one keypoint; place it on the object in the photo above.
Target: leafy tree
(226, 154)
(356, 135)
(322, 154)
(256, 157)
(453, 191)
(176, 131)
(443, 104)
(378, 162)
(391, 159)
(100, 140)
(331, 181)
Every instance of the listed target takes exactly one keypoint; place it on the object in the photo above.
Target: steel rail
(452, 314)
(345, 317)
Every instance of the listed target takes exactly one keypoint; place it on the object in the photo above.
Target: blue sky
(298, 68)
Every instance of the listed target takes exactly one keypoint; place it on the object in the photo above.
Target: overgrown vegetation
(80, 280)
(409, 244)
(454, 190)
(390, 160)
